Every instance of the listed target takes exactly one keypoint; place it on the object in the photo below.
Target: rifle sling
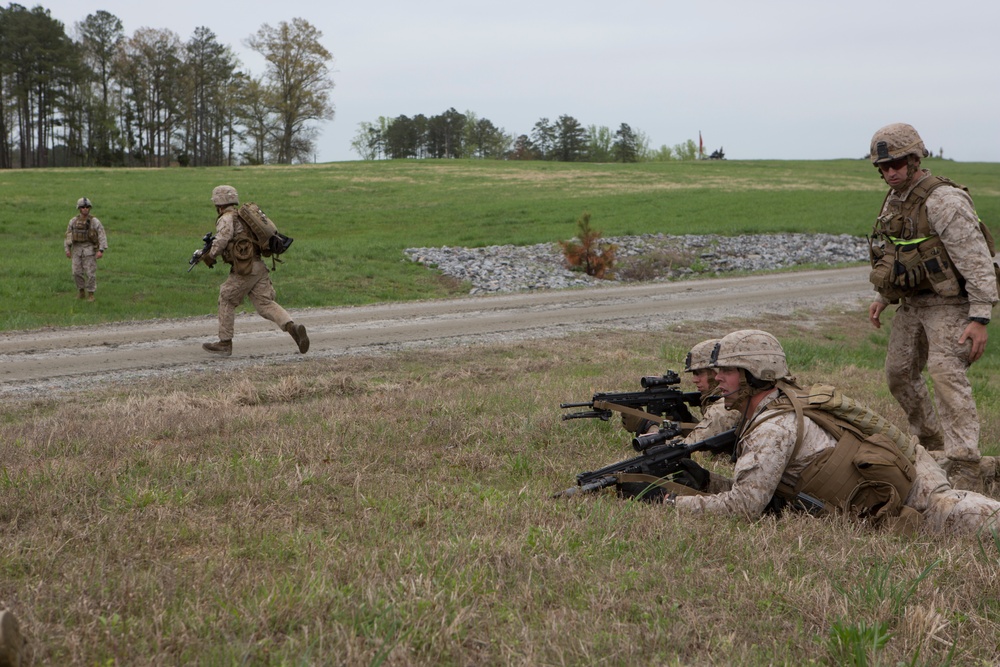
(658, 482)
(686, 427)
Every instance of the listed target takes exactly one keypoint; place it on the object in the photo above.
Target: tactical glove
(636, 424)
(693, 475)
(208, 259)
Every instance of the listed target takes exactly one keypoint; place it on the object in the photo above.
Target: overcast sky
(765, 79)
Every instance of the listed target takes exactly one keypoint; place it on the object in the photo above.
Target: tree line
(150, 99)
(455, 135)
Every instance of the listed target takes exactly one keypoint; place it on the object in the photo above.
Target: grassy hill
(351, 221)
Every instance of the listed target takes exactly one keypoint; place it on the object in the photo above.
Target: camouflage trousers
(927, 337)
(945, 510)
(258, 288)
(84, 266)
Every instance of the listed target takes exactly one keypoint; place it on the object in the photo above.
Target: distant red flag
(701, 145)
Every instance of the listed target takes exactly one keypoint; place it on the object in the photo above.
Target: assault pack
(265, 233)
(870, 470)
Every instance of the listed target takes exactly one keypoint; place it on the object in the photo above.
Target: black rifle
(197, 254)
(665, 461)
(659, 398)
(659, 461)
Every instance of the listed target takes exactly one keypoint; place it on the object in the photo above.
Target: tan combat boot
(223, 348)
(989, 469)
(298, 333)
(965, 476)
(12, 643)
(81, 294)
(90, 296)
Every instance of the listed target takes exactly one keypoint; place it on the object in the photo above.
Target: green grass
(351, 221)
(275, 515)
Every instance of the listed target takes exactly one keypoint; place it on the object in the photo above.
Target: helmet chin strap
(912, 169)
(749, 387)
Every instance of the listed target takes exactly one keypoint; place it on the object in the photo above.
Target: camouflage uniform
(764, 458)
(715, 419)
(931, 254)
(927, 326)
(767, 456)
(251, 280)
(13, 645)
(84, 252)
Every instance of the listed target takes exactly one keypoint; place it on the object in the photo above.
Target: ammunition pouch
(908, 271)
(939, 270)
(243, 251)
(888, 476)
(882, 274)
(902, 270)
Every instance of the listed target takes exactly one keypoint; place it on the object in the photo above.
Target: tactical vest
(82, 231)
(913, 259)
(864, 474)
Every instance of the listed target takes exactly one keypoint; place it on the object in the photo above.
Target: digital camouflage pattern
(896, 141)
(715, 419)
(255, 285)
(699, 358)
(927, 327)
(764, 458)
(757, 352)
(223, 195)
(84, 238)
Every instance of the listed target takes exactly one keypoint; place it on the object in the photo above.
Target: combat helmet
(896, 141)
(757, 352)
(224, 195)
(83, 201)
(700, 356)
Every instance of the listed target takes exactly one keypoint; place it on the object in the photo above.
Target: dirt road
(50, 360)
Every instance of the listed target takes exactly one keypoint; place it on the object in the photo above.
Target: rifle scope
(668, 431)
(669, 378)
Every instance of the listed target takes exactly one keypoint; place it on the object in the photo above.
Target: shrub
(585, 253)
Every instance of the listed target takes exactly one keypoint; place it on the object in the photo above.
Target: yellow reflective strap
(896, 241)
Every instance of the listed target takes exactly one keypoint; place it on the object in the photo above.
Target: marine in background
(248, 278)
(85, 243)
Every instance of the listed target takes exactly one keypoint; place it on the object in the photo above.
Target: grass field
(351, 222)
(396, 509)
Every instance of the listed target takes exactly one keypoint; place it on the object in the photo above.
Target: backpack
(264, 232)
(869, 472)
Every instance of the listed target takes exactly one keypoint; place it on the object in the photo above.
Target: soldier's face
(702, 379)
(895, 173)
(729, 382)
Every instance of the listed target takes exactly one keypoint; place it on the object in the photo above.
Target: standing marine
(85, 243)
(248, 276)
(933, 257)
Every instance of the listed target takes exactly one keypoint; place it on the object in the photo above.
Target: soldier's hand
(636, 424)
(693, 475)
(875, 313)
(208, 259)
(977, 334)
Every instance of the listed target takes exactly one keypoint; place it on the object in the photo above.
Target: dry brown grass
(395, 510)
